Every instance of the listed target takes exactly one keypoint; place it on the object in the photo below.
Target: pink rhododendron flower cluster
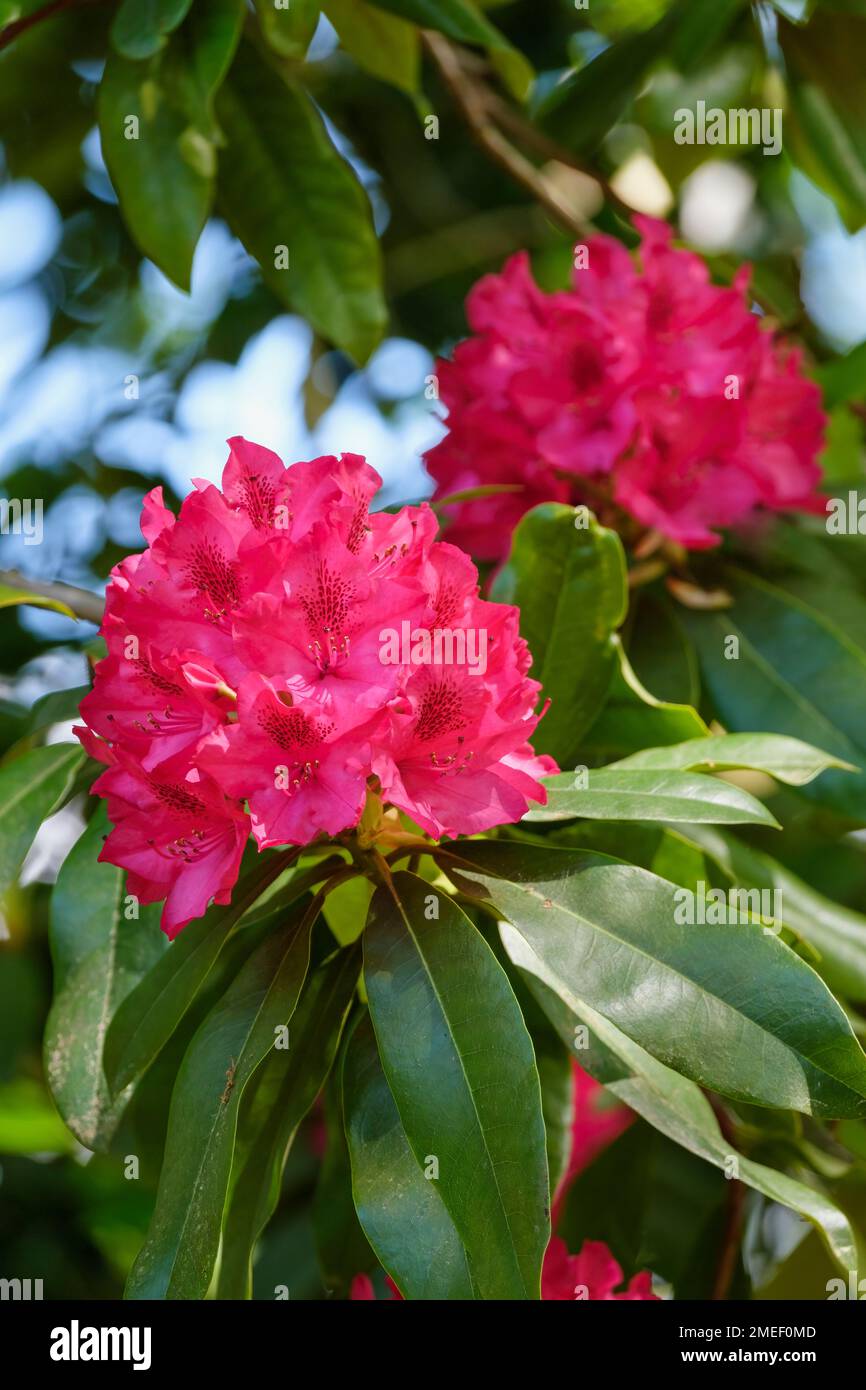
(247, 685)
(645, 388)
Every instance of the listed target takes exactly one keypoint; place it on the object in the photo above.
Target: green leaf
(345, 909)
(655, 1205)
(837, 933)
(99, 954)
(380, 43)
(637, 794)
(458, 19)
(632, 718)
(57, 707)
(581, 109)
(670, 1102)
(660, 652)
(461, 1069)
(844, 379)
(159, 138)
(557, 1102)
(178, 1256)
(288, 30)
(569, 583)
(274, 1104)
(400, 1209)
(797, 673)
(787, 759)
(31, 788)
(141, 27)
(729, 1006)
(341, 1246)
(10, 597)
(287, 192)
(149, 1015)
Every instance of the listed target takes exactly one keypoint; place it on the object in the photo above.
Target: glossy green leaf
(382, 44)
(569, 582)
(639, 794)
(158, 135)
(178, 1256)
(400, 1209)
(101, 945)
(345, 909)
(797, 673)
(278, 1097)
(460, 1065)
(31, 788)
(288, 195)
(289, 29)
(57, 707)
(787, 759)
(670, 1102)
(581, 109)
(141, 27)
(729, 1006)
(458, 19)
(632, 718)
(149, 1015)
(837, 933)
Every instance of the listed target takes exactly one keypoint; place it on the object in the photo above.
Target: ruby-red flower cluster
(276, 651)
(643, 386)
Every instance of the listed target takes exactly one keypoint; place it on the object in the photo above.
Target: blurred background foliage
(120, 370)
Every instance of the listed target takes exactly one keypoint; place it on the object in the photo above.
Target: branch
(471, 100)
(481, 109)
(83, 603)
(19, 26)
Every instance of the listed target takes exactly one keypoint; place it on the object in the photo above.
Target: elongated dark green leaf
(288, 30)
(178, 1256)
(278, 1097)
(401, 1210)
(459, 19)
(632, 718)
(837, 933)
(100, 953)
(31, 787)
(670, 1102)
(141, 27)
(158, 134)
(383, 45)
(149, 1015)
(797, 673)
(291, 197)
(660, 652)
(569, 583)
(787, 759)
(460, 1066)
(56, 707)
(638, 794)
(557, 1103)
(581, 109)
(729, 1006)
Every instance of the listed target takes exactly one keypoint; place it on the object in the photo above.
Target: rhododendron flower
(277, 652)
(644, 388)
